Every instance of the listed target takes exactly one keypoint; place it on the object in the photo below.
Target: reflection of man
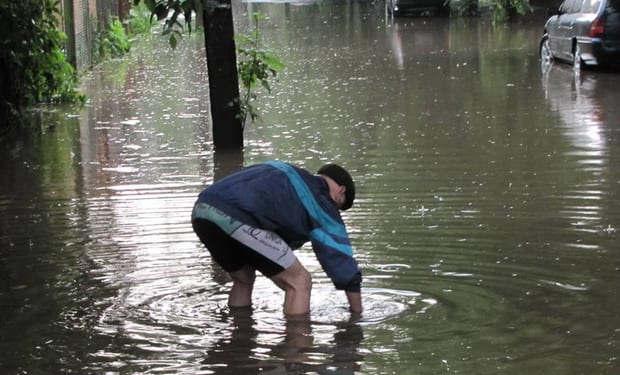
(234, 354)
(299, 351)
(242, 352)
(346, 357)
(254, 218)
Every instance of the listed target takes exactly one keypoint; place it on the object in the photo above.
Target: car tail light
(597, 28)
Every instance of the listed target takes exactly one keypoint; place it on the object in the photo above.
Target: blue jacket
(296, 205)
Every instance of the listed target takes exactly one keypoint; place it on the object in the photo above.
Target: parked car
(583, 32)
(400, 7)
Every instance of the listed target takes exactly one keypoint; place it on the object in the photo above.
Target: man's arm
(355, 301)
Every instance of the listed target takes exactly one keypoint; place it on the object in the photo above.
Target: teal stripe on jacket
(327, 223)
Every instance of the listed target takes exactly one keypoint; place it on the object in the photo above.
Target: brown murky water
(486, 224)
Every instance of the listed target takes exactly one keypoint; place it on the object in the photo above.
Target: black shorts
(232, 255)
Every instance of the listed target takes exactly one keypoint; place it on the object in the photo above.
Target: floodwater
(486, 222)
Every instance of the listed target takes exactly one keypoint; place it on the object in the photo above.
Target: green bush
(115, 42)
(466, 8)
(255, 67)
(139, 20)
(506, 10)
(33, 66)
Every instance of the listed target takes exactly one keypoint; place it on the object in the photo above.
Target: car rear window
(570, 6)
(590, 6)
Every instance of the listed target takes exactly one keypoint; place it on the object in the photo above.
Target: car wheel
(546, 57)
(577, 61)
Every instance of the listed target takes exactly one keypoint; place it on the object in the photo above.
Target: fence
(84, 23)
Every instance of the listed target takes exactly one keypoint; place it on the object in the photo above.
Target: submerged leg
(296, 282)
(243, 284)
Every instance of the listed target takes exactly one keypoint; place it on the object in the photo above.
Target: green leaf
(243, 39)
(257, 16)
(273, 62)
(255, 67)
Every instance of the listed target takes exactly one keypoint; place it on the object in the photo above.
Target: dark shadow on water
(248, 349)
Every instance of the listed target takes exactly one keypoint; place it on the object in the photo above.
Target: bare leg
(297, 285)
(243, 284)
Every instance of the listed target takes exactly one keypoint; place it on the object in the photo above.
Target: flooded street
(486, 220)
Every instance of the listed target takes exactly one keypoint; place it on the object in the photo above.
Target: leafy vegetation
(466, 8)
(505, 10)
(33, 67)
(139, 20)
(500, 10)
(115, 42)
(256, 66)
(169, 11)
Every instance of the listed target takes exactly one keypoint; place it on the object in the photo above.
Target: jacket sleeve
(336, 257)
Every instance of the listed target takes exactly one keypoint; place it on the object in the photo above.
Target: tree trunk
(223, 80)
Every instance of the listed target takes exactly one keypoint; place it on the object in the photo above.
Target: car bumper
(596, 52)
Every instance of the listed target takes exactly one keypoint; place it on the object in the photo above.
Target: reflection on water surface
(486, 222)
